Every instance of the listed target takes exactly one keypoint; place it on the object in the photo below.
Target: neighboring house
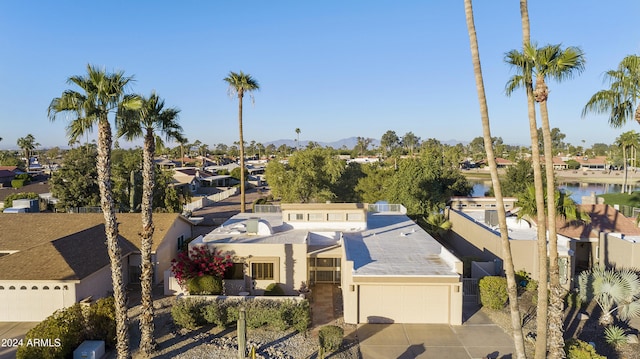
(503, 163)
(389, 269)
(593, 163)
(481, 203)
(559, 163)
(606, 240)
(6, 177)
(50, 261)
(38, 185)
(361, 160)
(164, 163)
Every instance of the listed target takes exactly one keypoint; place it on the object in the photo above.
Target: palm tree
(620, 100)
(627, 140)
(102, 93)
(27, 144)
(613, 290)
(151, 118)
(183, 141)
(550, 61)
(239, 83)
(298, 139)
(526, 80)
(512, 289)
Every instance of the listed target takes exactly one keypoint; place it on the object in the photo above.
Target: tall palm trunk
(512, 289)
(147, 341)
(111, 231)
(542, 306)
(624, 159)
(242, 197)
(556, 302)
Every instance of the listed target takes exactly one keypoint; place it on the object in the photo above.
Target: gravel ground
(211, 342)
(587, 330)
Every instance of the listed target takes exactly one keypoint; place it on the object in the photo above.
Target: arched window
(45, 288)
(56, 288)
(12, 288)
(23, 287)
(34, 288)
(1, 287)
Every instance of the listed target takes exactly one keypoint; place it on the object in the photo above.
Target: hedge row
(66, 329)
(192, 313)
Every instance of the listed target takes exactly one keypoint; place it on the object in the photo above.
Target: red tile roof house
(503, 163)
(610, 239)
(594, 163)
(50, 261)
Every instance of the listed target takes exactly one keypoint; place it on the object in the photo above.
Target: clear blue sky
(334, 69)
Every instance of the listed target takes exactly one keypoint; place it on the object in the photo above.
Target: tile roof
(62, 246)
(604, 218)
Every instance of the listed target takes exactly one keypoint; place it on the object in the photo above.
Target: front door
(324, 270)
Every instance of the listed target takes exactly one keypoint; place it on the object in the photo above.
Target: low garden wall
(241, 297)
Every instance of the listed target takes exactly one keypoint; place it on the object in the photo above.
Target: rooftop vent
(252, 225)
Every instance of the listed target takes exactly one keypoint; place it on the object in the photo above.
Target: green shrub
(578, 349)
(65, 327)
(190, 314)
(524, 281)
(8, 202)
(301, 316)
(493, 292)
(573, 300)
(204, 285)
(614, 335)
(17, 183)
(214, 313)
(232, 310)
(265, 312)
(330, 338)
(101, 321)
(273, 289)
(187, 313)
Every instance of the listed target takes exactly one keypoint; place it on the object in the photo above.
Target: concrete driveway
(12, 330)
(478, 337)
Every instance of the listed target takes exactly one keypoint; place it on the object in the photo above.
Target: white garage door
(29, 304)
(404, 304)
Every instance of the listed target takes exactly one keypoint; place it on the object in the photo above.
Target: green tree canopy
(309, 176)
(424, 184)
(76, 183)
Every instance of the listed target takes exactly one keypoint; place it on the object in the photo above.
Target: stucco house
(609, 238)
(50, 261)
(388, 268)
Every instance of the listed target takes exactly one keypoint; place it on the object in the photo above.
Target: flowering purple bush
(200, 261)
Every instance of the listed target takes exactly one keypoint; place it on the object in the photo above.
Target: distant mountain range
(349, 143)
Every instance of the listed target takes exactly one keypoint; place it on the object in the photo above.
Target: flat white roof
(394, 245)
(514, 233)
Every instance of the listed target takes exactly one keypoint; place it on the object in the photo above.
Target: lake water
(577, 189)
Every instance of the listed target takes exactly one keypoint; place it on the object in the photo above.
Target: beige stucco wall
(168, 249)
(469, 238)
(316, 216)
(34, 305)
(96, 285)
(617, 252)
(435, 299)
(290, 260)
